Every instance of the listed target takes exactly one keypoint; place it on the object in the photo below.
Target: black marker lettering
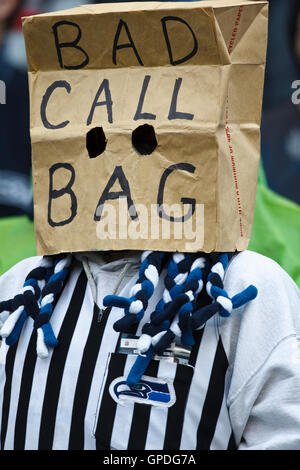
(108, 102)
(139, 114)
(54, 193)
(165, 31)
(173, 113)
(74, 44)
(46, 97)
(119, 175)
(125, 45)
(161, 212)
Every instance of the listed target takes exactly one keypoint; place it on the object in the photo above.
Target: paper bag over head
(145, 124)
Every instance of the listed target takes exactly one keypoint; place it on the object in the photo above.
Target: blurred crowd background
(276, 231)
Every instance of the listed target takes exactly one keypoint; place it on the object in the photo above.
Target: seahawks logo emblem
(149, 390)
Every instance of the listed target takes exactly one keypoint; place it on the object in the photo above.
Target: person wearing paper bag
(143, 345)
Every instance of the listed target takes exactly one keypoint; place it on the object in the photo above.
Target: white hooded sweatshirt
(240, 389)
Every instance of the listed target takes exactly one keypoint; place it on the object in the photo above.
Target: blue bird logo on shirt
(149, 390)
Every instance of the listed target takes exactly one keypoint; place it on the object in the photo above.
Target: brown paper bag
(145, 124)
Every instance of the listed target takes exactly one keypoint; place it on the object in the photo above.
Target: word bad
(122, 27)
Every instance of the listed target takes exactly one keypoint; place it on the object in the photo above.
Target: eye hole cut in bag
(127, 417)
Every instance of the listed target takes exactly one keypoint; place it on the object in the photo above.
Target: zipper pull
(100, 315)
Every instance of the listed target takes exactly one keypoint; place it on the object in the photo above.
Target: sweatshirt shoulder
(253, 260)
(254, 330)
(261, 271)
(12, 281)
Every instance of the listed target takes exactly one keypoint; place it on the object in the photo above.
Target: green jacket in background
(276, 229)
(17, 241)
(275, 233)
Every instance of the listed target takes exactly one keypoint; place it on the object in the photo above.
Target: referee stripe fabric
(195, 350)
(140, 419)
(85, 376)
(122, 423)
(222, 430)
(199, 386)
(63, 402)
(108, 406)
(213, 400)
(69, 377)
(17, 376)
(38, 386)
(231, 443)
(57, 364)
(9, 367)
(182, 384)
(25, 390)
